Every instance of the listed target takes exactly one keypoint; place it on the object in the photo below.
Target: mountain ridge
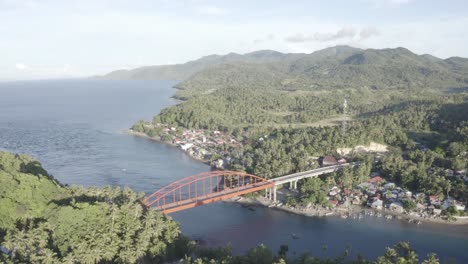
(184, 70)
(333, 67)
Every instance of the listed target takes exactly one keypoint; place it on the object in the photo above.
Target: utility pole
(343, 122)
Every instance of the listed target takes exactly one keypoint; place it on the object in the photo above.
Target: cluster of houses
(203, 144)
(378, 194)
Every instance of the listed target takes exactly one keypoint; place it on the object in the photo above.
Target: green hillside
(302, 89)
(183, 71)
(42, 222)
(339, 67)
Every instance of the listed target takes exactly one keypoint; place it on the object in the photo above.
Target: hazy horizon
(55, 39)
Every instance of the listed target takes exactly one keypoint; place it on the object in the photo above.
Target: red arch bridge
(209, 187)
(205, 188)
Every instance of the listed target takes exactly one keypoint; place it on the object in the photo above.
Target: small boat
(418, 222)
(294, 236)
(388, 217)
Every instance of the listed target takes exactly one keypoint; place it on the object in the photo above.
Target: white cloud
(20, 66)
(95, 40)
(368, 32)
(268, 38)
(212, 10)
(15, 4)
(23, 71)
(343, 33)
(399, 2)
(386, 3)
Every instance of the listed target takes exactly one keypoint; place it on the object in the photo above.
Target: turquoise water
(75, 128)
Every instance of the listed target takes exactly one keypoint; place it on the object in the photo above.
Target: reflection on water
(74, 127)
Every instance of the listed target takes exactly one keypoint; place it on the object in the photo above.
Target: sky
(42, 39)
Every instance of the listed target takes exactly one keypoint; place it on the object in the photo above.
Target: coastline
(343, 212)
(315, 212)
(143, 135)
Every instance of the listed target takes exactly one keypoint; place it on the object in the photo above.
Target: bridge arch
(204, 188)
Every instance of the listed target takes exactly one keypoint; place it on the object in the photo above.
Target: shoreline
(315, 212)
(340, 212)
(143, 135)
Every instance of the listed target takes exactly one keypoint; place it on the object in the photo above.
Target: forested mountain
(300, 89)
(183, 71)
(338, 67)
(335, 67)
(268, 88)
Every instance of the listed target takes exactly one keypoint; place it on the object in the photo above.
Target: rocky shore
(354, 211)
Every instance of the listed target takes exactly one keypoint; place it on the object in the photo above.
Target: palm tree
(48, 256)
(431, 259)
(70, 259)
(391, 254)
(19, 243)
(447, 185)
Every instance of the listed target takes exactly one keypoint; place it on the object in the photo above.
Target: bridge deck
(198, 196)
(213, 197)
(308, 174)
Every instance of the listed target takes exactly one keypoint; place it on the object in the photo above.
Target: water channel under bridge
(209, 187)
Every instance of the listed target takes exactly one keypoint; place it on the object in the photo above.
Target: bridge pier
(270, 193)
(274, 193)
(293, 184)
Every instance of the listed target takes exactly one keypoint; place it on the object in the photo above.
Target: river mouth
(74, 128)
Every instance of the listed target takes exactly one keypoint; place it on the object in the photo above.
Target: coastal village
(210, 147)
(386, 199)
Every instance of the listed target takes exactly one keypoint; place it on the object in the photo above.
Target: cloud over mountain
(345, 33)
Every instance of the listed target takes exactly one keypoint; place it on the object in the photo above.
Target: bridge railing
(201, 186)
(213, 186)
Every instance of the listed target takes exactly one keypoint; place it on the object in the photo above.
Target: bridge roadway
(293, 178)
(213, 197)
(270, 186)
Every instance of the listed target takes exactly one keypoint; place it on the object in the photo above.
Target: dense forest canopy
(44, 222)
(302, 89)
